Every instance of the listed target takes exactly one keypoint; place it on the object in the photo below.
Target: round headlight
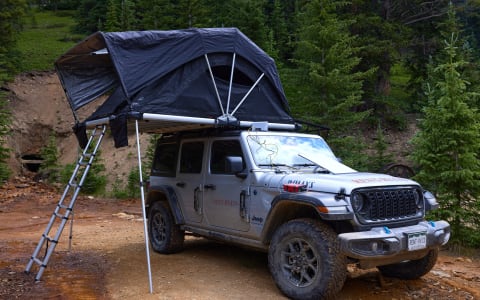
(418, 198)
(357, 201)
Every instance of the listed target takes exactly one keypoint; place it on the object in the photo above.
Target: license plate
(417, 240)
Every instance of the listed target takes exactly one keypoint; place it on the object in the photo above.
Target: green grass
(45, 37)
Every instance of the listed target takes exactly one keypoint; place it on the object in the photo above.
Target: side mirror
(234, 165)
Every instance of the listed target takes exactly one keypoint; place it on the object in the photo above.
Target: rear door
(189, 179)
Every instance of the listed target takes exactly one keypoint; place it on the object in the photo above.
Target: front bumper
(383, 243)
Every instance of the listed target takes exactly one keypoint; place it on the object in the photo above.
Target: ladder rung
(51, 240)
(63, 206)
(61, 216)
(98, 132)
(88, 155)
(38, 261)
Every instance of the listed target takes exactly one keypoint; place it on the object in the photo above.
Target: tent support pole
(214, 84)
(231, 81)
(142, 194)
(248, 93)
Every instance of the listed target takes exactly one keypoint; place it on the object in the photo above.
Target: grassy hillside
(45, 37)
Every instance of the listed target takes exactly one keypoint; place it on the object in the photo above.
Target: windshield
(274, 150)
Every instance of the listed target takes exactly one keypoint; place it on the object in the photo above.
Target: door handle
(210, 186)
(180, 184)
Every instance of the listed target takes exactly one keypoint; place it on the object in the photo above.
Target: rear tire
(412, 269)
(305, 261)
(165, 236)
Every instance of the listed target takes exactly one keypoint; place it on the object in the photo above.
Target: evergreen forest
(348, 65)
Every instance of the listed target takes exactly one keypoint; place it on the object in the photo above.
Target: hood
(333, 183)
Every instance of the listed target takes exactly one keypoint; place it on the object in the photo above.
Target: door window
(222, 149)
(191, 157)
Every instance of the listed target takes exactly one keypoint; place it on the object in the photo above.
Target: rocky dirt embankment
(39, 108)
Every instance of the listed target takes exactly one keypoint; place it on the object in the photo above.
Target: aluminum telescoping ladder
(64, 208)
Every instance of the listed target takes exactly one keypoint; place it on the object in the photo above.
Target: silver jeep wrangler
(287, 194)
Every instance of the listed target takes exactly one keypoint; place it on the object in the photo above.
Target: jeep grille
(379, 205)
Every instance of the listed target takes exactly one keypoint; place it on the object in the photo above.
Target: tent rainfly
(172, 81)
(167, 81)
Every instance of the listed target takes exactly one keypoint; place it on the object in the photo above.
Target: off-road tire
(165, 236)
(412, 269)
(305, 261)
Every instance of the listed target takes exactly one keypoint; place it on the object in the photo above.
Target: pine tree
(91, 16)
(50, 168)
(278, 37)
(112, 22)
(11, 13)
(327, 61)
(155, 14)
(380, 36)
(127, 18)
(381, 156)
(190, 13)
(447, 147)
(247, 15)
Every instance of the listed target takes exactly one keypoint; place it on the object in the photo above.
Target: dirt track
(107, 260)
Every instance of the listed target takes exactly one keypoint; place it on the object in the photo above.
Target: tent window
(223, 72)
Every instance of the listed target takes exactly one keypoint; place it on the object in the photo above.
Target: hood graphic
(332, 183)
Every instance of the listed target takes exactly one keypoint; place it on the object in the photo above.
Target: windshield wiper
(277, 166)
(274, 165)
(304, 165)
(318, 169)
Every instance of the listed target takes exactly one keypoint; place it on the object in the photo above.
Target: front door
(226, 196)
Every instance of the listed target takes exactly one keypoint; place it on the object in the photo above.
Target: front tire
(305, 261)
(165, 236)
(412, 269)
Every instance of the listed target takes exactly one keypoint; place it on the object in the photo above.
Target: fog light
(442, 236)
(446, 238)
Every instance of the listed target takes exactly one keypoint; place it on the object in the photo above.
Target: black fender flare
(171, 197)
(288, 206)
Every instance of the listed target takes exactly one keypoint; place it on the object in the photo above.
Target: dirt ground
(107, 259)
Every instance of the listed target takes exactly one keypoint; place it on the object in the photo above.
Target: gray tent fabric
(168, 72)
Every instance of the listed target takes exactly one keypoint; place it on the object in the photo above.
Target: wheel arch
(167, 194)
(285, 209)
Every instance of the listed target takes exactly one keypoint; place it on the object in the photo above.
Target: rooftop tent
(174, 80)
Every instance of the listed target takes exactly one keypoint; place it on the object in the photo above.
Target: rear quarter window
(165, 161)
